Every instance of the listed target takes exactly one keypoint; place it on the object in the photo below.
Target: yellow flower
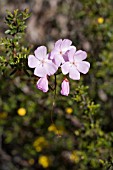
(74, 156)
(31, 161)
(21, 111)
(100, 20)
(60, 131)
(52, 128)
(69, 110)
(44, 161)
(40, 143)
(38, 148)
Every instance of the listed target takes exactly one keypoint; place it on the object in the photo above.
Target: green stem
(55, 85)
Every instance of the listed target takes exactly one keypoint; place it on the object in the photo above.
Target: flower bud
(65, 87)
(42, 84)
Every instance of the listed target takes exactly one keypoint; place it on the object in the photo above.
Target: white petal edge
(32, 61)
(58, 44)
(71, 55)
(50, 68)
(80, 55)
(74, 73)
(83, 66)
(41, 52)
(65, 68)
(40, 71)
(66, 43)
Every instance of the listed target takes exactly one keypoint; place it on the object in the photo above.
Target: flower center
(42, 62)
(60, 52)
(73, 63)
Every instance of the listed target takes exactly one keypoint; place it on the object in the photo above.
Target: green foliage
(93, 142)
(12, 45)
(16, 21)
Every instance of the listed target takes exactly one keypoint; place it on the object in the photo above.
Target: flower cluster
(64, 56)
(44, 161)
(40, 143)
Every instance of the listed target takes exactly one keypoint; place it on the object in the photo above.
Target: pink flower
(65, 87)
(43, 66)
(42, 84)
(75, 65)
(59, 53)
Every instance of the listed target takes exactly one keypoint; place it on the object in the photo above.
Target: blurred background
(80, 134)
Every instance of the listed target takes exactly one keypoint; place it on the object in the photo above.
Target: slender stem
(53, 105)
(54, 98)
(55, 86)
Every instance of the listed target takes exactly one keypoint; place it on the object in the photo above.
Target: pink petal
(41, 52)
(65, 68)
(72, 47)
(73, 73)
(40, 71)
(58, 59)
(50, 68)
(53, 53)
(48, 56)
(80, 55)
(66, 44)
(65, 57)
(32, 61)
(71, 54)
(42, 84)
(58, 44)
(65, 87)
(83, 66)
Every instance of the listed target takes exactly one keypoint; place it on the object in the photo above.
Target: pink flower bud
(65, 87)
(42, 84)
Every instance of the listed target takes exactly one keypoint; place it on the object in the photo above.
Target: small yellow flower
(40, 143)
(52, 128)
(74, 156)
(100, 20)
(31, 161)
(69, 110)
(44, 161)
(21, 111)
(38, 148)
